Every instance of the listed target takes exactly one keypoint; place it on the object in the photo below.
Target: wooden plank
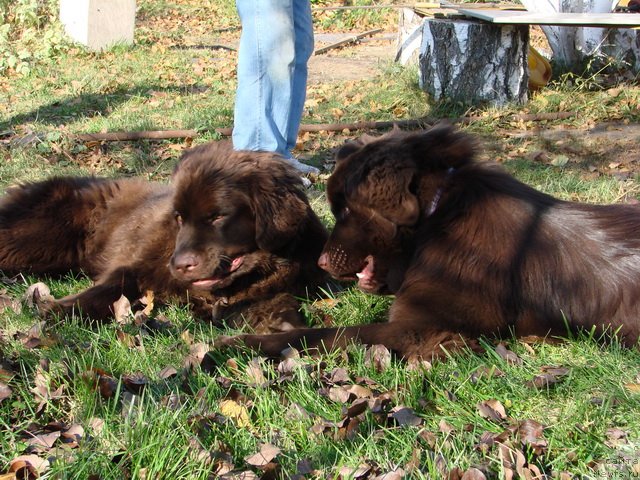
(508, 17)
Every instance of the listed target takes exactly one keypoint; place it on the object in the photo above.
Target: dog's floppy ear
(442, 146)
(280, 211)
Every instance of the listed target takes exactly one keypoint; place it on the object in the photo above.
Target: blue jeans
(275, 45)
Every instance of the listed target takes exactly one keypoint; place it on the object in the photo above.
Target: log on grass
(474, 62)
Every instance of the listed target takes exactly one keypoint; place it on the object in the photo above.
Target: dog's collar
(436, 198)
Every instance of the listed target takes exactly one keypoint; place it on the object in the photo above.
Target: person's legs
(276, 42)
(303, 26)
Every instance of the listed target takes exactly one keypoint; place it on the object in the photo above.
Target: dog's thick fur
(468, 250)
(232, 234)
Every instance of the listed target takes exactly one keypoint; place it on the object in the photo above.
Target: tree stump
(474, 62)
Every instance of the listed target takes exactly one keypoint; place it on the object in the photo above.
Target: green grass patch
(106, 390)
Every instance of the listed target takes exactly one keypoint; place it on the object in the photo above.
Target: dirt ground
(359, 60)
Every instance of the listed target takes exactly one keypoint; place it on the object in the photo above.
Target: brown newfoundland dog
(233, 235)
(468, 250)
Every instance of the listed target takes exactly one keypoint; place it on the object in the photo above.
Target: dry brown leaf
(358, 407)
(339, 394)
(11, 303)
(37, 294)
(147, 301)
(632, 387)
(397, 474)
(530, 433)
(197, 352)
(127, 340)
(5, 391)
(72, 436)
(44, 441)
(255, 374)
(338, 376)
(615, 437)
(122, 310)
(405, 416)
(135, 382)
(378, 357)
(167, 372)
(28, 466)
(473, 474)
(266, 454)
(101, 381)
(445, 427)
(492, 410)
(354, 472)
(507, 355)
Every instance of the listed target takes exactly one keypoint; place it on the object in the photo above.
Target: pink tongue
(210, 282)
(366, 274)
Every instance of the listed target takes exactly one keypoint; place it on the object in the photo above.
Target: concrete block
(99, 24)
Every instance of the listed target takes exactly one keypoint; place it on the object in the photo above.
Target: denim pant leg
(275, 45)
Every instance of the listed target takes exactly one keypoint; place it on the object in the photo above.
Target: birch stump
(474, 62)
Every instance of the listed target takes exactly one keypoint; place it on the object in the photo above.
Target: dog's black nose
(185, 262)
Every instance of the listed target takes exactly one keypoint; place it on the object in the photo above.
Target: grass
(139, 421)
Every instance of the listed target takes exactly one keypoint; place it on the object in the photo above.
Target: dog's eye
(345, 211)
(178, 218)
(217, 219)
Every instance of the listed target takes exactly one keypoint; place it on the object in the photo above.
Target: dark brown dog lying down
(468, 250)
(233, 235)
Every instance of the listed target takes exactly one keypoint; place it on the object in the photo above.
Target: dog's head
(229, 204)
(380, 190)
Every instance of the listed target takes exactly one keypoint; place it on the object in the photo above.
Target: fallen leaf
(43, 442)
(255, 374)
(135, 382)
(632, 387)
(5, 391)
(397, 474)
(266, 454)
(11, 303)
(167, 372)
(530, 433)
(549, 377)
(473, 474)
(507, 355)
(28, 466)
(492, 409)
(338, 376)
(354, 472)
(236, 412)
(378, 357)
(122, 310)
(405, 416)
(197, 352)
(37, 294)
(358, 407)
(615, 437)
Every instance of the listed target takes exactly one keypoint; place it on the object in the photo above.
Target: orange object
(539, 70)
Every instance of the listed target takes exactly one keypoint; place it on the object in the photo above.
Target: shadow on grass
(60, 112)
